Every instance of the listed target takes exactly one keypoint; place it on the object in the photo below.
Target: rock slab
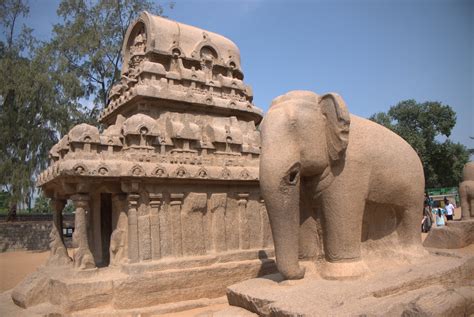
(440, 284)
(455, 235)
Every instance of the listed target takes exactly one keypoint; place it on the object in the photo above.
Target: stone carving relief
(160, 171)
(58, 252)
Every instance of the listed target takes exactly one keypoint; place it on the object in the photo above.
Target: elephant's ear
(338, 121)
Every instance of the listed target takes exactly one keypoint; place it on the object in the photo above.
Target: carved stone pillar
(58, 205)
(175, 212)
(83, 258)
(244, 232)
(144, 237)
(133, 252)
(58, 252)
(118, 239)
(217, 210)
(155, 205)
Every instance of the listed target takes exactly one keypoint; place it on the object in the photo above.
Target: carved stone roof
(140, 124)
(165, 36)
(167, 60)
(180, 111)
(84, 133)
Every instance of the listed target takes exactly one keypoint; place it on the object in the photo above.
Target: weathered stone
(192, 215)
(83, 258)
(216, 211)
(466, 192)
(437, 285)
(33, 290)
(170, 188)
(232, 311)
(58, 252)
(455, 235)
(313, 149)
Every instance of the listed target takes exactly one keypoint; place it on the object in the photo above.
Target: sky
(374, 53)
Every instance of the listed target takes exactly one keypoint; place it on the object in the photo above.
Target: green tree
(32, 113)
(42, 205)
(88, 42)
(422, 125)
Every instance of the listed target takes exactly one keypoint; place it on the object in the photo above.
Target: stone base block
(455, 235)
(134, 288)
(440, 284)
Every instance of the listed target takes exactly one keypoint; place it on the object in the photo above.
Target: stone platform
(439, 284)
(456, 234)
(138, 288)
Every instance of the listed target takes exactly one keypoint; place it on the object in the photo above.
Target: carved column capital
(80, 200)
(176, 198)
(132, 200)
(156, 200)
(243, 198)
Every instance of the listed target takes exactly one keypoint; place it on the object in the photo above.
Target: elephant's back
(468, 171)
(391, 159)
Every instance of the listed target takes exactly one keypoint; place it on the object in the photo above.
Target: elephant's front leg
(343, 209)
(465, 191)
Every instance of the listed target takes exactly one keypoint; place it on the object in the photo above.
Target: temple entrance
(105, 226)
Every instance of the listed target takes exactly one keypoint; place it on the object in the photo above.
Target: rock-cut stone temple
(167, 197)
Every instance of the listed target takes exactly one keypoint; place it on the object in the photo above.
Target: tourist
(440, 218)
(427, 221)
(449, 209)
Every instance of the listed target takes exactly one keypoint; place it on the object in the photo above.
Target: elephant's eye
(293, 175)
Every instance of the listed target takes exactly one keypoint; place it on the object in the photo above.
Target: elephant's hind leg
(408, 230)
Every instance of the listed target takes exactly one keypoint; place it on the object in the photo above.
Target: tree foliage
(32, 111)
(422, 125)
(43, 85)
(88, 42)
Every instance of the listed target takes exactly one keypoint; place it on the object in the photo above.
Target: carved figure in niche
(58, 255)
(202, 173)
(181, 172)
(244, 174)
(81, 170)
(160, 172)
(103, 171)
(137, 51)
(117, 246)
(137, 171)
(208, 56)
(226, 173)
(176, 62)
(466, 191)
(139, 43)
(341, 162)
(230, 70)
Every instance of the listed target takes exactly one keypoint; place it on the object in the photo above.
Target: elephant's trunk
(282, 202)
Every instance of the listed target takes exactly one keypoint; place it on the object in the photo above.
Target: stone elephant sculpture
(313, 147)
(466, 191)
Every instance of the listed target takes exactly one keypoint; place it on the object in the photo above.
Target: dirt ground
(16, 265)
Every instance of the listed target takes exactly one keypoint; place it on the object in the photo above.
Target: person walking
(440, 218)
(427, 221)
(449, 207)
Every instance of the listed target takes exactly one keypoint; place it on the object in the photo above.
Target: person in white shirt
(449, 209)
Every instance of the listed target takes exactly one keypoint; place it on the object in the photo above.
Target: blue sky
(374, 53)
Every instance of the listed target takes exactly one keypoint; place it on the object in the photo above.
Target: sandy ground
(15, 266)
